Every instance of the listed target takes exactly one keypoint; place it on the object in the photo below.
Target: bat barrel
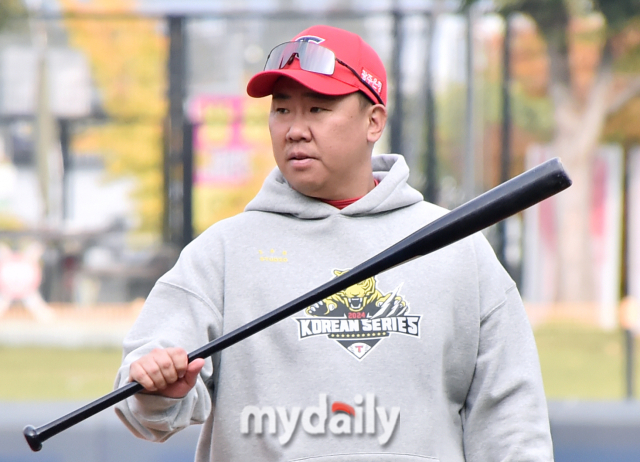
(503, 201)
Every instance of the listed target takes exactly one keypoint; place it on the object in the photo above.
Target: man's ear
(377, 121)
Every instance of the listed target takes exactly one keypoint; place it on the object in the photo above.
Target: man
(432, 360)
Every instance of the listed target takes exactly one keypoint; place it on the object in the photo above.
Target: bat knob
(32, 437)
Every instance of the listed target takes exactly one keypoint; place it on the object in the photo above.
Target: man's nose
(298, 130)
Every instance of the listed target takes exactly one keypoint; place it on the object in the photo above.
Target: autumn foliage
(127, 57)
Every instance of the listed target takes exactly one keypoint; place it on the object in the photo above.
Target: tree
(128, 58)
(582, 101)
(10, 12)
(622, 126)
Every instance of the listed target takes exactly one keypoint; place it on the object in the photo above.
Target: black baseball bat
(501, 202)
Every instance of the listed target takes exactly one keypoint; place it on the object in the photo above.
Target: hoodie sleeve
(505, 415)
(175, 314)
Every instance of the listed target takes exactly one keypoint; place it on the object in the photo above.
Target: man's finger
(137, 373)
(153, 367)
(179, 360)
(167, 367)
(193, 369)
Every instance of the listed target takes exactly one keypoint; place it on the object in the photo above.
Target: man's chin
(309, 189)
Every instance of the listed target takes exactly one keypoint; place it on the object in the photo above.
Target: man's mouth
(299, 156)
(300, 160)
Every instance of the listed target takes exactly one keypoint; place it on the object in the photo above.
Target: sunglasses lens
(279, 56)
(318, 59)
(312, 57)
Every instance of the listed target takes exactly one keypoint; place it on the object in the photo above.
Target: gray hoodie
(431, 360)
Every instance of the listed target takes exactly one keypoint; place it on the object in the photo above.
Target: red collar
(342, 203)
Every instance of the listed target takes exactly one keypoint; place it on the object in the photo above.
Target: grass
(584, 362)
(57, 373)
(578, 362)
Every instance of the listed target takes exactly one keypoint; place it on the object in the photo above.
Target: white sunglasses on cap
(312, 58)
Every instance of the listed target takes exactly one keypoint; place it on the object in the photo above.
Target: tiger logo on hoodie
(359, 301)
(359, 317)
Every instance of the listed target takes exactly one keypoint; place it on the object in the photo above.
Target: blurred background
(125, 131)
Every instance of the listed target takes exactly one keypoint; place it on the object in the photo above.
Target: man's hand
(166, 372)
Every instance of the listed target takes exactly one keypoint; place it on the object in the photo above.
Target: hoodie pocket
(368, 457)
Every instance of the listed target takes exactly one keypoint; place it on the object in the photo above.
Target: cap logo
(309, 38)
(372, 80)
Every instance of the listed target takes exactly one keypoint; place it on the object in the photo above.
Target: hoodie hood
(392, 192)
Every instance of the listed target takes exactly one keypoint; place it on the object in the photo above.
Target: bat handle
(36, 436)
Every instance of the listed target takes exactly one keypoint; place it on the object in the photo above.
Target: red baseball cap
(357, 67)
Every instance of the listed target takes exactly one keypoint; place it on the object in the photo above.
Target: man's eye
(281, 110)
(316, 109)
